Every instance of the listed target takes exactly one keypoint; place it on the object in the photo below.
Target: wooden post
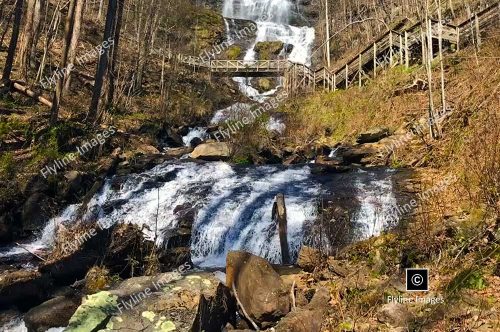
(390, 49)
(458, 39)
(407, 54)
(279, 215)
(478, 32)
(334, 82)
(374, 59)
(359, 70)
(346, 76)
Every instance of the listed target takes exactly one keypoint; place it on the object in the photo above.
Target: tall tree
(68, 33)
(9, 61)
(113, 72)
(92, 115)
(74, 41)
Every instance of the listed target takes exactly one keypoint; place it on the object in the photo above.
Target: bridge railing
(249, 65)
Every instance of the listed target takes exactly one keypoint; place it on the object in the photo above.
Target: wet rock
(55, 312)
(212, 151)
(35, 212)
(260, 289)
(195, 142)
(356, 154)
(308, 318)
(23, 288)
(178, 152)
(373, 135)
(7, 226)
(308, 258)
(147, 149)
(394, 314)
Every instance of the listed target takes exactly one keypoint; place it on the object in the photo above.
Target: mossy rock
(266, 50)
(95, 309)
(209, 29)
(233, 52)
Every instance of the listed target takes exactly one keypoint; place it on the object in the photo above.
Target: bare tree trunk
(327, 27)
(433, 126)
(68, 33)
(92, 115)
(9, 61)
(26, 39)
(441, 65)
(113, 73)
(74, 41)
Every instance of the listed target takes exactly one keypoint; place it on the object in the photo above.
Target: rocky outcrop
(55, 312)
(165, 302)
(212, 151)
(268, 50)
(260, 289)
(308, 318)
(373, 135)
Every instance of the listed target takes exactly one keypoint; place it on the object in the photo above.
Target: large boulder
(212, 151)
(373, 135)
(309, 318)
(55, 312)
(260, 289)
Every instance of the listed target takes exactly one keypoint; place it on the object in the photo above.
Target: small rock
(309, 258)
(394, 314)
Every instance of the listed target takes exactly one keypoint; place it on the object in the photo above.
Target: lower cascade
(232, 206)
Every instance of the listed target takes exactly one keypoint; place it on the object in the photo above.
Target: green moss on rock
(92, 312)
(267, 49)
(233, 52)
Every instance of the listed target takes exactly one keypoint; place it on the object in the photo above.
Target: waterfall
(278, 11)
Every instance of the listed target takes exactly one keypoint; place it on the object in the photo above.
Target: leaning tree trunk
(68, 33)
(74, 41)
(92, 115)
(9, 61)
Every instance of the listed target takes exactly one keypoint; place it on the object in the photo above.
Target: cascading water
(232, 206)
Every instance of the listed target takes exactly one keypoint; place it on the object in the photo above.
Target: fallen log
(30, 93)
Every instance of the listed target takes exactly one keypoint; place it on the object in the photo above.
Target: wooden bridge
(400, 46)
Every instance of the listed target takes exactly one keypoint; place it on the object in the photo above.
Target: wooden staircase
(395, 47)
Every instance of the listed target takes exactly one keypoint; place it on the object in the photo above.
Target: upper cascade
(276, 11)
